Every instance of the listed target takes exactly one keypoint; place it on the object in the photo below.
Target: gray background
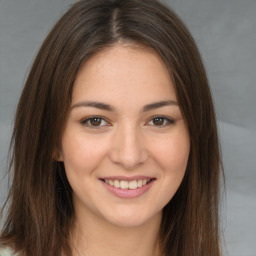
(225, 31)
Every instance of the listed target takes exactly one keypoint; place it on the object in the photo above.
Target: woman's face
(125, 146)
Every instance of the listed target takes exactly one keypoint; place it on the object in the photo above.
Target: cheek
(172, 153)
(172, 156)
(81, 157)
(82, 154)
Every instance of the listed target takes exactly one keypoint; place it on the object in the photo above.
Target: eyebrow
(94, 104)
(108, 107)
(159, 104)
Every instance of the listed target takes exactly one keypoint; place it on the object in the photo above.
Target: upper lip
(138, 177)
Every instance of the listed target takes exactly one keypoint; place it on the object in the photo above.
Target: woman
(115, 147)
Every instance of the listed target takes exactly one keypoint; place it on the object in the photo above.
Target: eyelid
(169, 120)
(85, 121)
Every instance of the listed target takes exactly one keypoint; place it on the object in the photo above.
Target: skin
(127, 141)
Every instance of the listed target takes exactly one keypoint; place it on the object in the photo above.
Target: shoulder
(5, 251)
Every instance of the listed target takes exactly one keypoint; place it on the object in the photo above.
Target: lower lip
(128, 193)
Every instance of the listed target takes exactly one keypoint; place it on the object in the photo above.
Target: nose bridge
(128, 147)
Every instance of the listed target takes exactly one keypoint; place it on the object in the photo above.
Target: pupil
(96, 121)
(158, 121)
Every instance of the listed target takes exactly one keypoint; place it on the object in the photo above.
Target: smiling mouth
(124, 184)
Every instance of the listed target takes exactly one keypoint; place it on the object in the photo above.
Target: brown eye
(161, 121)
(95, 122)
(158, 121)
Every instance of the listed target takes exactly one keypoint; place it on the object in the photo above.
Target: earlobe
(57, 155)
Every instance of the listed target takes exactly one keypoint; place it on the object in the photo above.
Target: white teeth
(123, 184)
(139, 183)
(133, 184)
(144, 182)
(116, 183)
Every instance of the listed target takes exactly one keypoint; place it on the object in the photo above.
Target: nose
(128, 148)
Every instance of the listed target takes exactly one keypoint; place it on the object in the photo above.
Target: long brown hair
(40, 210)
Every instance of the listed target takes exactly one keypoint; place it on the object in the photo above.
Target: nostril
(127, 150)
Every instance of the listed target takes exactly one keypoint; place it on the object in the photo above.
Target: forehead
(124, 72)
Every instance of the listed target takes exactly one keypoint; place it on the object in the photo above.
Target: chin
(129, 219)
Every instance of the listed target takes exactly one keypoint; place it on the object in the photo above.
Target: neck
(93, 236)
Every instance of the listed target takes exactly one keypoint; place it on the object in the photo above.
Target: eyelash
(167, 121)
(87, 122)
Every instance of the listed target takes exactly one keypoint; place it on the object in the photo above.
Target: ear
(57, 155)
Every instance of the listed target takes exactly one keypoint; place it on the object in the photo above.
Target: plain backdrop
(225, 31)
